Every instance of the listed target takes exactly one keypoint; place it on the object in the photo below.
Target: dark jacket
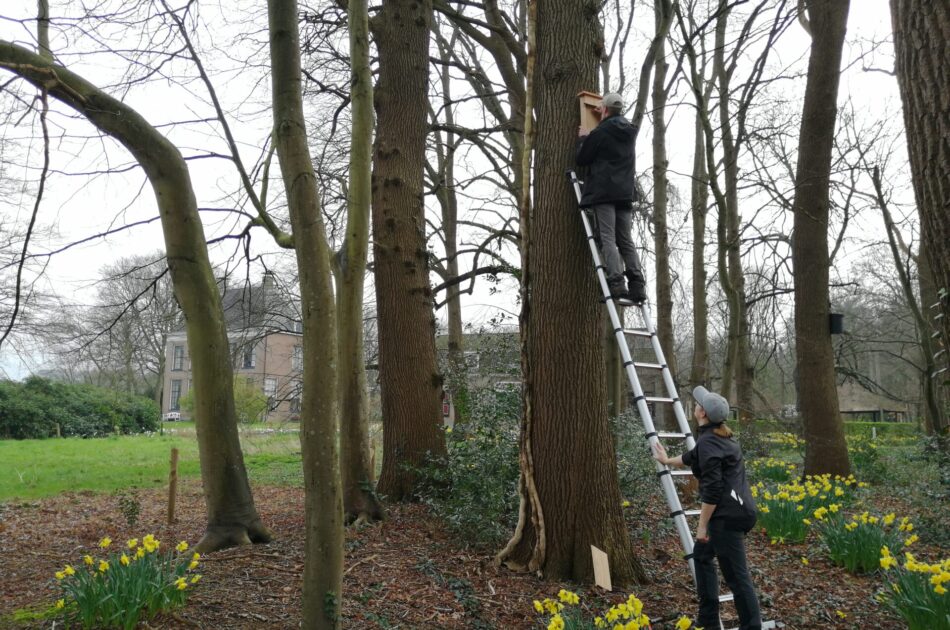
(717, 463)
(608, 151)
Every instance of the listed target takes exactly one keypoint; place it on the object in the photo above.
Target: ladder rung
(662, 399)
(692, 512)
(766, 625)
(648, 366)
(935, 335)
(637, 332)
(668, 435)
(728, 597)
(681, 473)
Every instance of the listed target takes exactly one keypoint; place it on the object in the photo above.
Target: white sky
(79, 207)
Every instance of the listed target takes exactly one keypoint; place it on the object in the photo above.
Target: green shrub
(475, 488)
(881, 429)
(34, 409)
(772, 469)
(128, 585)
(866, 459)
(787, 510)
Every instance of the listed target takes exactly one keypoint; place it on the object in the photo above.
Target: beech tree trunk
(358, 477)
(922, 47)
(699, 198)
(566, 447)
(232, 516)
(664, 280)
(825, 448)
(323, 564)
(410, 383)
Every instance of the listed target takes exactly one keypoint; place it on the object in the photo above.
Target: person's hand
(702, 535)
(582, 132)
(659, 453)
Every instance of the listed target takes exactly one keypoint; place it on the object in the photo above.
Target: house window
(178, 358)
(248, 362)
(471, 359)
(297, 363)
(174, 403)
(295, 398)
(270, 390)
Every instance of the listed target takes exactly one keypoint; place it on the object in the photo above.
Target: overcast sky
(77, 205)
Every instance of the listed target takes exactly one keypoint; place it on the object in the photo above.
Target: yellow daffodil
(911, 540)
(840, 614)
(684, 624)
(805, 561)
(60, 604)
(568, 597)
(181, 547)
(124, 560)
(625, 504)
(132, 543)
(195, 578)
(69, 570)
(181, 584)
(59, 575)
(557, 623)
(88, 560)
(105, 542)
(103, 566)
(537, 605)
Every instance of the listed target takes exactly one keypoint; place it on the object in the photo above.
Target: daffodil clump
(786, 440)
(122, 585)
(917, 591)
(566, 613)
(787, 510)
(855, 544)
(772, 469)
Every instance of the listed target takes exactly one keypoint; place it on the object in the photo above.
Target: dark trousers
(613, 226)
(728, 547)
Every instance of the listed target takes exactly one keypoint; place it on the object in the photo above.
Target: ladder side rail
(678, 409)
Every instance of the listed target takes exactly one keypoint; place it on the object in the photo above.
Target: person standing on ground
(728, 512)
(609, 192)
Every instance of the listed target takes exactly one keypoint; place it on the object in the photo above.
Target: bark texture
(410, 383)
(922, 47)
(699, 199)
(323, 565)
(825, 447)
(232, 517)
(566, 447)
(358, 477)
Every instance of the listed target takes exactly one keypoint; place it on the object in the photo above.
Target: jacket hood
(619, 128)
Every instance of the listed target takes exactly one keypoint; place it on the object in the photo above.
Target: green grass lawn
(31, 469)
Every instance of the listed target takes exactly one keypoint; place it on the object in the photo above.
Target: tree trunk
(922, 50)
(664, 281)
(232, 517)
(323, 564)
(410, 383)
(566, 447)
(359, 498)
(699, 198)
(825, 448)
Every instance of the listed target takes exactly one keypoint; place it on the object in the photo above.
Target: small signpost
(172, 485)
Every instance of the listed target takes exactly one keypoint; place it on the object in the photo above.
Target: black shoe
(638, 292)
(618, 289)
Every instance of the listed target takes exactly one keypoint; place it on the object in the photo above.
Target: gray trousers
(614, 226)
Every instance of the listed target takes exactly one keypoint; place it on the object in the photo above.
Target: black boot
(638, 288)
(618, 289)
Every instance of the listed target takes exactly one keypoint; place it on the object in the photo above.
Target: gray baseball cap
(717, 407)
(612, 99)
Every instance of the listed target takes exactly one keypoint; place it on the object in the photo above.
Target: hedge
(33, 408)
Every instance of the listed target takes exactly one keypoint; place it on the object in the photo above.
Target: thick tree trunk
(922, 47)
(358, 477)
(825, 448)
(323, 565)
(232, 517)
(410, 383)
(566, 447)
(699, 198)
(664, 281)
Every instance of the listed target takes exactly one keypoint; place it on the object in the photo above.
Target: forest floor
(406, 572)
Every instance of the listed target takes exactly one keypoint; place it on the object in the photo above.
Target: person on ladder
(609, 192)
(728, 512)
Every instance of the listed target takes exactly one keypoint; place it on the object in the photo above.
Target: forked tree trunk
(922, 47)
(410, 383)
(232, 517)
(566, 448)
(825, 448)
(323, 563)
(358, 477)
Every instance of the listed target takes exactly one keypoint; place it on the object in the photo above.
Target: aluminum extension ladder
(648, 331)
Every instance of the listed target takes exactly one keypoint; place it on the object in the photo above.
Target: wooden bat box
(588, 103)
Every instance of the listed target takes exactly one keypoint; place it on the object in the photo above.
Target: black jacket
(717, 463)
(608, 151)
